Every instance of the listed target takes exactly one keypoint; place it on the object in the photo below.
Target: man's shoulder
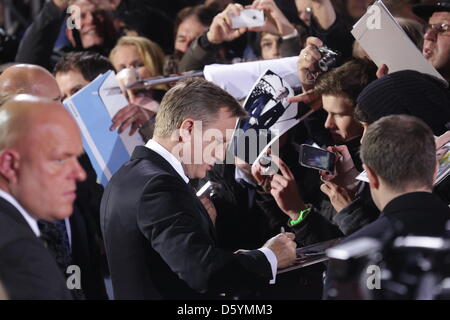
(144, 163)
(11, 227)
(378, 229)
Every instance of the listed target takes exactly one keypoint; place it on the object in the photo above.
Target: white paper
(384, 40)
(238, 79)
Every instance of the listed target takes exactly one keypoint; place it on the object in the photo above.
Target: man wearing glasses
(436, 47)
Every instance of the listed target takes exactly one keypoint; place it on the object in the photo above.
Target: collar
(174, 162)
(413, 200)
(240, 176)
(28, 218)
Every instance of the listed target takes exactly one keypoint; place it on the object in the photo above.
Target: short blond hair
(193, 98)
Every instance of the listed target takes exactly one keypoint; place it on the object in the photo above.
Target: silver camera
(329, 58)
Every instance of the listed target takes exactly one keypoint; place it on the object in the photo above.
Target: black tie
(55, 236)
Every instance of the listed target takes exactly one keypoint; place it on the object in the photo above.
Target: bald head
(29, 79)
(39, 146)
(24, 115)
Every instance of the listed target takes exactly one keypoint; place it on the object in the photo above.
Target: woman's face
(270, 46)
(128, 56)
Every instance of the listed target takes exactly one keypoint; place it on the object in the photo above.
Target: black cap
(425, 11)
(408, 92)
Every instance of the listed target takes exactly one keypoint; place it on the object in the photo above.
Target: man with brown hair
(399, 156)
(339, 89)
(160, 240)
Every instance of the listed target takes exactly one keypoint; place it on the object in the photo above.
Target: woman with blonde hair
(140, 53)
(146, 58)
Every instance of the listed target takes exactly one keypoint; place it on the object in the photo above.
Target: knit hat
(407, 92)
(425, 11)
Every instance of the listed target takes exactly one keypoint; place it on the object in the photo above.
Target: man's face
(91, 31)
(270, 46)
(209, 144)
(70, 82)
(340, 120)
(436, 47)
(48, 169)
(187, 32)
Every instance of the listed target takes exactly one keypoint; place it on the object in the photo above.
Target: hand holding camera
(314, 59)
(276, 22)
(221, 29)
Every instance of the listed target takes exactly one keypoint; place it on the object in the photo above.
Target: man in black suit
(39, 170)
(399, 156)
(160, 240)
(85, 247)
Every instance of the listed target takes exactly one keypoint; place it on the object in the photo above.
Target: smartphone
(316, 158)
(248, 18)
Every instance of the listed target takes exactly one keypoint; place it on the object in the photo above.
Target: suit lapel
(12, 212)
(142, 152)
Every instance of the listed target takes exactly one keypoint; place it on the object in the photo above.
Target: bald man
(39, 146)
(29, 79)
(80, 235)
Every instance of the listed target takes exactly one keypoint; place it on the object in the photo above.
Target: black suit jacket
(416, 213)
(160, 241)
(87, 244)
(27, 270)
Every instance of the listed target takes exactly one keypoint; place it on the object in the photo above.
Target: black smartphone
(316, 158)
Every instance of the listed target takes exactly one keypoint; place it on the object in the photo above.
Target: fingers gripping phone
(248, 18)
(316, 158)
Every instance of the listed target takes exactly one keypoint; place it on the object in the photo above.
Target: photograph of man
(268, 103)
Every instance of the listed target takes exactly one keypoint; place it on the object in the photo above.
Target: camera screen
(317, 158)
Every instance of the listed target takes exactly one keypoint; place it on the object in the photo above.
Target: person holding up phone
(206, 48)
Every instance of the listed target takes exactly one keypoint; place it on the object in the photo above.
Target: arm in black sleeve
(37, 44)
(315, 228)
(337, 37)
(200, 53)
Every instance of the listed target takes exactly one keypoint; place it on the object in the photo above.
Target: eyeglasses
(437, 28)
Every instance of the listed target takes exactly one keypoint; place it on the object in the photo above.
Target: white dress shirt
(176, 164)
(29, 219)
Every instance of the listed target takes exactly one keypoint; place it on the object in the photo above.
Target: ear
(70, 37)
(9, 165)
(186, 130)
(374, 180)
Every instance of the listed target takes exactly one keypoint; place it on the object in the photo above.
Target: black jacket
(27, 270)
(160, 241)
(88, 250)
(416, 213)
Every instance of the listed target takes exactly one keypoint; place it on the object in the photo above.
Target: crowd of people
(146, 234)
